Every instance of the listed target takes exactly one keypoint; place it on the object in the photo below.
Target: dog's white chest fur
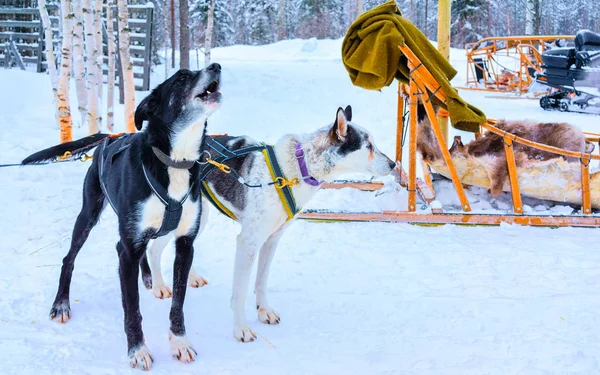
(152, 210)
(185, 146)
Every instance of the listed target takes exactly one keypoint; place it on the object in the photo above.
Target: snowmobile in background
(573, 75)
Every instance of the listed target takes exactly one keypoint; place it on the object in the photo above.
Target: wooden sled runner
(554, 179)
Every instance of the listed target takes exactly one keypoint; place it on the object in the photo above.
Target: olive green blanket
(372, 58)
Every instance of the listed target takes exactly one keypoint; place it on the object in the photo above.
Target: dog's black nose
(392, 164)
(214, 67)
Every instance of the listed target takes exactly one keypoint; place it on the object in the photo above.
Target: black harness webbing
(224, 154)
(173, 208)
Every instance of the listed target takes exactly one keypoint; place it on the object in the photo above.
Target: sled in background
(486, 71)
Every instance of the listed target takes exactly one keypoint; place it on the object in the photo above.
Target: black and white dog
(141, 175)
(325, 153)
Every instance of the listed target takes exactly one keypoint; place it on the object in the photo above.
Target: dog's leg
(249, 241)
(194, 279)
(129, 260)
(154, 253)
(146, 272)
(184, 254)
(265, 313)
(93, 204)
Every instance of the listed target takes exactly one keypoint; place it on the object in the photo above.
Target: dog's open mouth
(212, 88)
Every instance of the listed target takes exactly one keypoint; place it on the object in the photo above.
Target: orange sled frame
(423, 86)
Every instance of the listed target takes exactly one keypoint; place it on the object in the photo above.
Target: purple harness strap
(303, 168)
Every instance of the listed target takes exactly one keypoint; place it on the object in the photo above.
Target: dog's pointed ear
(348, 113)
(457, 146)
(457, 141)
(338, 132)
(143, 111)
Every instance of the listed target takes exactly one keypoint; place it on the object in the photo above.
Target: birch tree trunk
(529, 17)
(126, 66)
(184, 35)
(78, 62)
(110, 99)
(90, 64)
(50, 60)
(99, 55)
(64, 109)
(209, 32)
(359, 7)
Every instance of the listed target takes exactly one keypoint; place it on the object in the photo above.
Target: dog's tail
(76, 148)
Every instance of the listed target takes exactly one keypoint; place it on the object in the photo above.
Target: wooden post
(443, 38)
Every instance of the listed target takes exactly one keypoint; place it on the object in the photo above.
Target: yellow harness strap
(281, 184)
(211, 197)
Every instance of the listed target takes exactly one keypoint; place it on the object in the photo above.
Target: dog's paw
(182, 349)
(197, 281)
(60, 312)
(267, 315)
(147, 280)
(141, 358)
(244, 334)
(162, 291)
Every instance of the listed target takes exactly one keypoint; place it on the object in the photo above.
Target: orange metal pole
(399, 123)
(539, 146)
(412, 151)
(585, 186)
(446, 154)
(512, 173)
(457, 218)
(427, 175)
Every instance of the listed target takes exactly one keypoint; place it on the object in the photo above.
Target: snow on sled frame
(421, 85)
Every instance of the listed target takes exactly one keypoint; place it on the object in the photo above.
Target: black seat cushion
(559, 58)
(587, 40)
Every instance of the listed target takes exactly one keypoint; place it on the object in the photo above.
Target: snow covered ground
(355, 298)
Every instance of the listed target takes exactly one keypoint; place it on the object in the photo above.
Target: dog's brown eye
(370, 146)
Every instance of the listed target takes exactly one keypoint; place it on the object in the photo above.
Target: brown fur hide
(490, 147)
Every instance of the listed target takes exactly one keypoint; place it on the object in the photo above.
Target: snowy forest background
(266, 21)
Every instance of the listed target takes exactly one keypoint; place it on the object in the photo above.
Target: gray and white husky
(329, 151)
